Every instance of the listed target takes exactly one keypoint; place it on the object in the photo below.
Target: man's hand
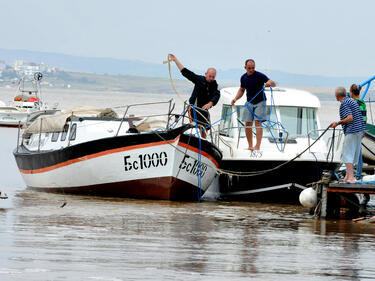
(177, 62)
(233, 101)
(172, 57)
(208, 105)
(334, 124)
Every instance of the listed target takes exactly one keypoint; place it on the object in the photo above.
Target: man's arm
(213, 101)
(270, 83)
(346, 120)
(240, 93)
(190, 75)
(177, 62)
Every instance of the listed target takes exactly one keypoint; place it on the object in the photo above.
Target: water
(63, 237)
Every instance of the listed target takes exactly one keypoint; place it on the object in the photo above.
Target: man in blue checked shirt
(352, 123)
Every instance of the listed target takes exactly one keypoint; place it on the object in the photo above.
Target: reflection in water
(123, 239)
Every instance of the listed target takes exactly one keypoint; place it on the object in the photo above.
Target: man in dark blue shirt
(253, 82)
(205, 93)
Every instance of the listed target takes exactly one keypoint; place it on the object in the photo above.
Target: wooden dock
(338, 198)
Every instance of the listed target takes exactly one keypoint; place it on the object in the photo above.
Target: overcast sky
(328, 37)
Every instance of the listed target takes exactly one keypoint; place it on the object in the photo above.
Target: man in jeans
(253, 82)
(352, 123)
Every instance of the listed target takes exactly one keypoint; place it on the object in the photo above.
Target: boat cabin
(289, 113)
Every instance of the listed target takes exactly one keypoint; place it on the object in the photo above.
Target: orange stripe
(192, 148)
(190, 115)
(95, 155)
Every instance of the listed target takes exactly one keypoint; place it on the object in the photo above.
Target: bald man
(205, 93)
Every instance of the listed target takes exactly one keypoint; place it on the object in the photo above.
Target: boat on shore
(368, 144)
(293, 152)
(368, 140)
(94, 152)
(26, 105)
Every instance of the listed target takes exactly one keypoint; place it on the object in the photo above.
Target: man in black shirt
(205, 93)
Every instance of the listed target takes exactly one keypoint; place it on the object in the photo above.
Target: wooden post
(323, 212)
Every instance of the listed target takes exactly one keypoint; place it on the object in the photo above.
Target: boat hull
(150, 166)
(12, 119)
(280, 185)
(368, 144)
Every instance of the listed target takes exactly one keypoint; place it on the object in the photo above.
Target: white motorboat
(26, 105)
(87, 152)
(281, 168)
(3, 195)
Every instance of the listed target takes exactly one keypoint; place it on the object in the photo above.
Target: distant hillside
(144, 69)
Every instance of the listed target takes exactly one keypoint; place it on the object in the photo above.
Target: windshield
(297, 121)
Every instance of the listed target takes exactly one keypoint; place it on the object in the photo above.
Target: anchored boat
(368, 141)
(293, 152)
(26, 105)
(94, 152)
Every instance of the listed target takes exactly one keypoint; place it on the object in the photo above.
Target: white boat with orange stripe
(88, 152)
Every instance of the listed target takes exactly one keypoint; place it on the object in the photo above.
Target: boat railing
(281, 138)
(128, 107)
(333, 139)
(367, 83)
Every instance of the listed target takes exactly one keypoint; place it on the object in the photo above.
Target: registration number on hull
(145, 161)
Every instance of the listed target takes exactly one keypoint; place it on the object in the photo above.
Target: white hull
(368, 148)
(155, 170)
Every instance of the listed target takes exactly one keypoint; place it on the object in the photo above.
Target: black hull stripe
(28, 160)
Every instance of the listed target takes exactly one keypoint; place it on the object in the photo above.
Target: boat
(3, 195)
(294, 152)
(368, 140)
(368, 144)
(94, 152)
(26, 105)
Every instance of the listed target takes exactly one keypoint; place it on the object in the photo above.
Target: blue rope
(270, 124)
(199, 172)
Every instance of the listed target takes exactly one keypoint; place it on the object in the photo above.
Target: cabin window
(311, 126)
(55, 136)
(73, 132)
(64, 132)
(226, 124)
(299, 121)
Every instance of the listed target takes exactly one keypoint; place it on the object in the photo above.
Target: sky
(320, 37)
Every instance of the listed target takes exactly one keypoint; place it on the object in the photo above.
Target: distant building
(2, 67)
(24, 68)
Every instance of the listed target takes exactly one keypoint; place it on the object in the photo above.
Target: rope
(250, 174)
(199, 173)
(168, 61)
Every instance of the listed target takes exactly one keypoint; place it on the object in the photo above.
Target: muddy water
(93, 238)
(62, 237)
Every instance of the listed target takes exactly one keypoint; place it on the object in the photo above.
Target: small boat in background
(26, 105)
(3, 195)
(94, 152)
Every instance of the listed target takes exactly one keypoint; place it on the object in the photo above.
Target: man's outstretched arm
(177, 62)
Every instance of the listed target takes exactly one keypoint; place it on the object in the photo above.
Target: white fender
(308, 198)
